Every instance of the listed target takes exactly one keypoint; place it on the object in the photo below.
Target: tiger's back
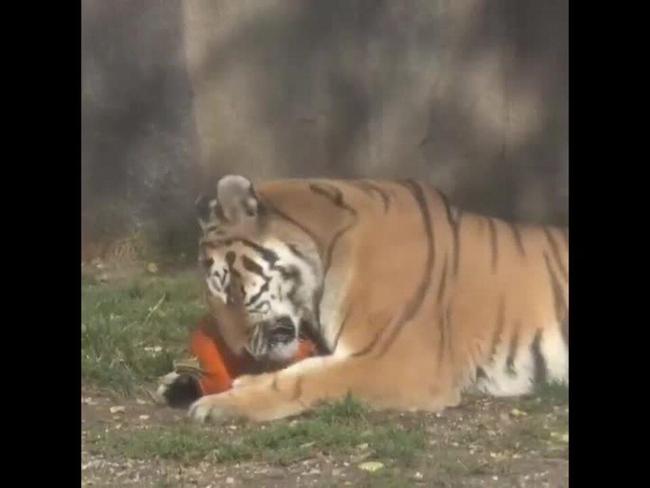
(495, 292)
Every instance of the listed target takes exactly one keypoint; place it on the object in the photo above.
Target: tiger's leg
(302, 386)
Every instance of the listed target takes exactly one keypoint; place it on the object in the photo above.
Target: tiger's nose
(282, 331)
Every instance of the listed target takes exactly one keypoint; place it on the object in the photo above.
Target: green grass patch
(338, 429)
(131, 331)
(554, 393)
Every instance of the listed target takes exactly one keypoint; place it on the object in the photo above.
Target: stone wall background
(471, 95)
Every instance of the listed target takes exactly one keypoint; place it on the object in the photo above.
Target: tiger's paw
(212, 408)
(178, 390)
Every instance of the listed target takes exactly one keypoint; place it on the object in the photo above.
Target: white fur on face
(275, 282)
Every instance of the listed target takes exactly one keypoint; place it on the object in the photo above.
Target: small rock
(495, 478)
(144, 417)
(371, 466)
(363, 446)
(117, 409)
(517, 413)
(230, 480)
(140, 401)
(152, 268)
(418, 476)
(275, 473)
(313, 471)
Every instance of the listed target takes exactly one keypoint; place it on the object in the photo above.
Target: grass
(341, 428)
(131, 331)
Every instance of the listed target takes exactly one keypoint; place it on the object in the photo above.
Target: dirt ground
(485, 442)
(133, 328)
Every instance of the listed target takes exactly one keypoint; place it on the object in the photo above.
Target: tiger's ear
(237, 199)
(206, 210)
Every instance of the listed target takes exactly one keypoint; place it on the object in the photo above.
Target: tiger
(414, 301)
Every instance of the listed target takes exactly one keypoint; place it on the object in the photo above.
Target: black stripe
(291, 273)
(267, 254)
(336, 197)
(556, 254)
(517, 235)
(296, 279)
(441, 336)
(494, 244)
(222, 279)
(559, 302)
(416, 301)
(291, 220)
(538, 358)
(370, 345)
(263, 289)
(512, 351)
(370, 189)
(329, 191)
(443, 281)
(253, 267)
(445, 334)
(258, 307)
(295, 251)
(455, 226)
(500, 322)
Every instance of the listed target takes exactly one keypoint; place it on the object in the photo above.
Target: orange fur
(415, 300)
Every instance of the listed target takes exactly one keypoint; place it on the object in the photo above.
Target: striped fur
(413, 300)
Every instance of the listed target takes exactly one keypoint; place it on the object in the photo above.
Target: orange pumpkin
(220, 366)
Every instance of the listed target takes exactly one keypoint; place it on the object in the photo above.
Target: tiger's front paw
(212, 408)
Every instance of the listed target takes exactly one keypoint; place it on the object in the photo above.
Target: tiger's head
(258, 268)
